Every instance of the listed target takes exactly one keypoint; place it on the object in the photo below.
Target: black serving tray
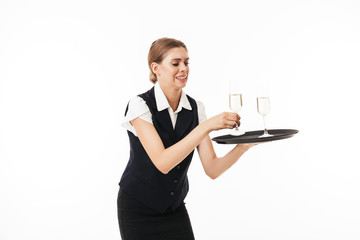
(253, 136)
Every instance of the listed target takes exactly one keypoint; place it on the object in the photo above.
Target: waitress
(165, 126)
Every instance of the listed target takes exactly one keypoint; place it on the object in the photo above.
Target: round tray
(253, 136)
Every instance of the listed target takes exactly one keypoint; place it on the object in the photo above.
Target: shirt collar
(162, 103)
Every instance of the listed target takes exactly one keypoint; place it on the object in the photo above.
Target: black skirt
(139, 222)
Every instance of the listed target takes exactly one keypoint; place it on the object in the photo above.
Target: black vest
(141, 179)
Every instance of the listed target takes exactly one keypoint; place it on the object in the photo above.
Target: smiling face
(173, 71)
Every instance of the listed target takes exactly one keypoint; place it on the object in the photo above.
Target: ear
(155, 68)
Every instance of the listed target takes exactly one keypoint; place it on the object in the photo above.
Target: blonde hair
(158, 50)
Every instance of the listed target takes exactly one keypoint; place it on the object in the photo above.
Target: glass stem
(265, 128)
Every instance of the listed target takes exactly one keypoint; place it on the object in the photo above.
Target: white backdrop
(68, 68)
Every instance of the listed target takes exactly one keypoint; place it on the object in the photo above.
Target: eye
(176, 64)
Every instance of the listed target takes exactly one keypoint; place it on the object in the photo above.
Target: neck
(172, 95)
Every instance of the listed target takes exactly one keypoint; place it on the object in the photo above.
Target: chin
(181, 84)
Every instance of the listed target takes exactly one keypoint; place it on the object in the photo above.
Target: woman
(164, 127)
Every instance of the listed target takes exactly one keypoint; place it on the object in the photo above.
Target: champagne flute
(235, 104)
(263, 107)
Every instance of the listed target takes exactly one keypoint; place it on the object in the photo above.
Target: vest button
(175, 181)
(178, 167)
(172, 193)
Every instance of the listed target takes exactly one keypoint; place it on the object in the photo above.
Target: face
(173, 71)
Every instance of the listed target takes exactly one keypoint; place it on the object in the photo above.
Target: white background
(68, 68)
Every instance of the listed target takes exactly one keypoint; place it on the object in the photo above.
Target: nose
(183, 67)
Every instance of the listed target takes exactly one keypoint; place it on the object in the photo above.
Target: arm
(215, 166)
(167, 159)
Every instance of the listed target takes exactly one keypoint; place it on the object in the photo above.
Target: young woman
(165, 126)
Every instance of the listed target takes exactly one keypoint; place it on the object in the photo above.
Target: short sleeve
(201, 111)
(137, 108)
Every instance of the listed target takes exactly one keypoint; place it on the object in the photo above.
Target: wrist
(207, 126)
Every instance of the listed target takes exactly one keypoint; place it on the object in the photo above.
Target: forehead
(177, 53)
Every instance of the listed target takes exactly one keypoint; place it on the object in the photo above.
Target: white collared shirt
(138, 108)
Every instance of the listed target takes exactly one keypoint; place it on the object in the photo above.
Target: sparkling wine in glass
(263, 107)
(235, 104)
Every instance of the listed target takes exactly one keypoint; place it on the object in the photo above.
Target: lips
(182, 78)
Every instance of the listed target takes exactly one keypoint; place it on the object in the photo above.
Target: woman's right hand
(225, 120)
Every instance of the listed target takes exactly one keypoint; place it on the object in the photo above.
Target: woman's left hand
(247, 146)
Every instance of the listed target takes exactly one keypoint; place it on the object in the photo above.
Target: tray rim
(236, 139)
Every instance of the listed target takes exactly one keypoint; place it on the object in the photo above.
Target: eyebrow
(179, 59)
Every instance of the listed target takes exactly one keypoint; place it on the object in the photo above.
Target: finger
(230, 124)
(233, 117)
(235, 122)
